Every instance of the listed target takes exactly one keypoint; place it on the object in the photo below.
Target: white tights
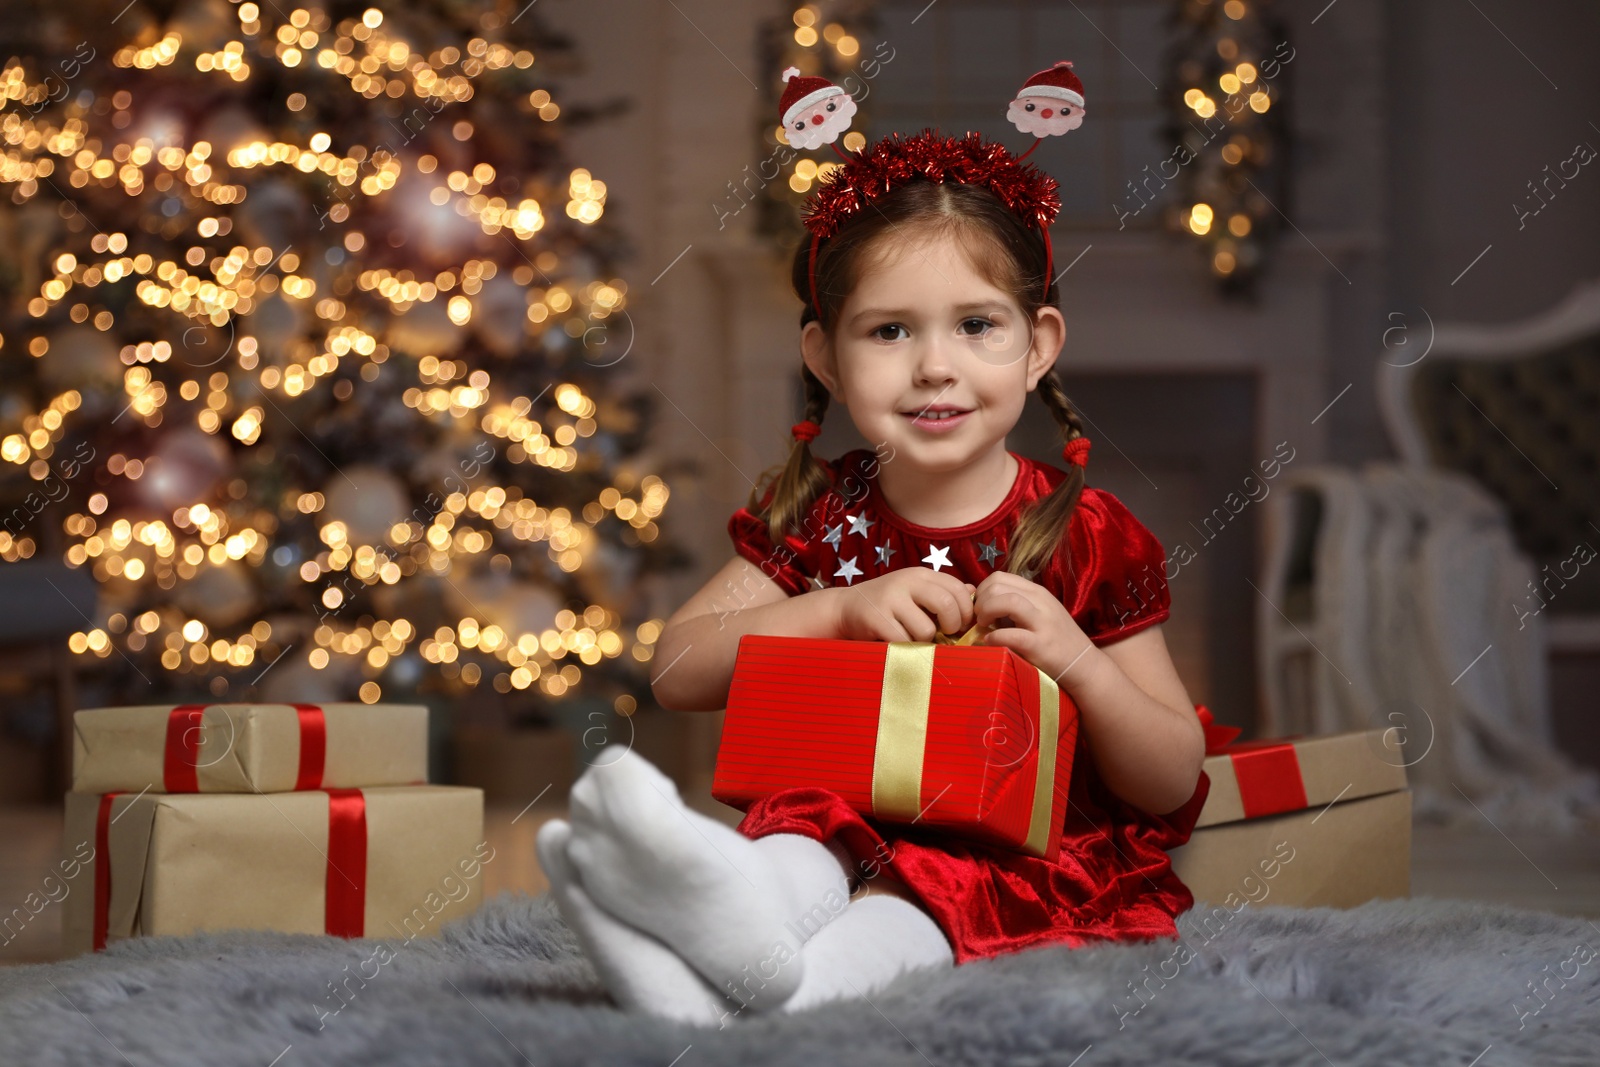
(644, 883)
(863, 944)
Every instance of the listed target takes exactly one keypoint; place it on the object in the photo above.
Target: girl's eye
(878, 333)
(983, 327)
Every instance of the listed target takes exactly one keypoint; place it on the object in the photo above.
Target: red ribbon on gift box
(345, 886)
(102, 870)
(183, 750)
(1268, 772)
(346, 901)
(180, 771)
(1217, 735)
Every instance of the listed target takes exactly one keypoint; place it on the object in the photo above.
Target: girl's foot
(699, 886)
(641, 973)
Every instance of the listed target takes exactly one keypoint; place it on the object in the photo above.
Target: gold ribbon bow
(942, 638)
(903, 734)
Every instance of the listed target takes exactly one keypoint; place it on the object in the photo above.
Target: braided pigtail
(1044, 525)
(802, 478)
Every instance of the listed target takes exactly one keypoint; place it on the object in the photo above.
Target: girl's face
(923, 332)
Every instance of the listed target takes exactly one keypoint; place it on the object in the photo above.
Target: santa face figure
(820, 123)
(1044, 116)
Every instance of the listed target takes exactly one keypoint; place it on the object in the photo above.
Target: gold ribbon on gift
(903, 734)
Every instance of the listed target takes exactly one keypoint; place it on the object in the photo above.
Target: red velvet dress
(1113, 880)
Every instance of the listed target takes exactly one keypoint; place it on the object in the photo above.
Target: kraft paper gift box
(1320, 821)
(248, 748)
(968, 738)
(385, 861)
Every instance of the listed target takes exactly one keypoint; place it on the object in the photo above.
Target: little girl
(930, 315)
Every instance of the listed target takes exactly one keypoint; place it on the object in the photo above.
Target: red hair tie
(805, 431)
(1077, 451)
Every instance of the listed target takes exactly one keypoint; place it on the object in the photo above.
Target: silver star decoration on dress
(859, 524)
(847, 570)
(989, 552)
(834, 535)
(938, 557)
(884, 552)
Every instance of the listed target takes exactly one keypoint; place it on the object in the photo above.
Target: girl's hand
(1026, 619)
(908, 604)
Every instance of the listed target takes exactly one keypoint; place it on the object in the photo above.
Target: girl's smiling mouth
(937, 418)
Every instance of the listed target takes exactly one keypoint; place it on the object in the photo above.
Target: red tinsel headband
(816, 112)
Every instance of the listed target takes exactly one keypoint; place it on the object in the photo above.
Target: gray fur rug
(1418, 981)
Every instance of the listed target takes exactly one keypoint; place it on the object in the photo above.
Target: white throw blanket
(1417, 580)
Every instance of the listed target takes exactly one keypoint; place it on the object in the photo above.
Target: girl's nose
(933, 363)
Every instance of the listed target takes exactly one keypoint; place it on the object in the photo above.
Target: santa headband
(816, 112)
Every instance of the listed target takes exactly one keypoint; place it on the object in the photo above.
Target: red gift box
(968, 738)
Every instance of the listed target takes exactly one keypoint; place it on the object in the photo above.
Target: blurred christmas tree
(312, 350)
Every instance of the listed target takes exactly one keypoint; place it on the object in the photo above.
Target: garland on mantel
(1225, 86)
